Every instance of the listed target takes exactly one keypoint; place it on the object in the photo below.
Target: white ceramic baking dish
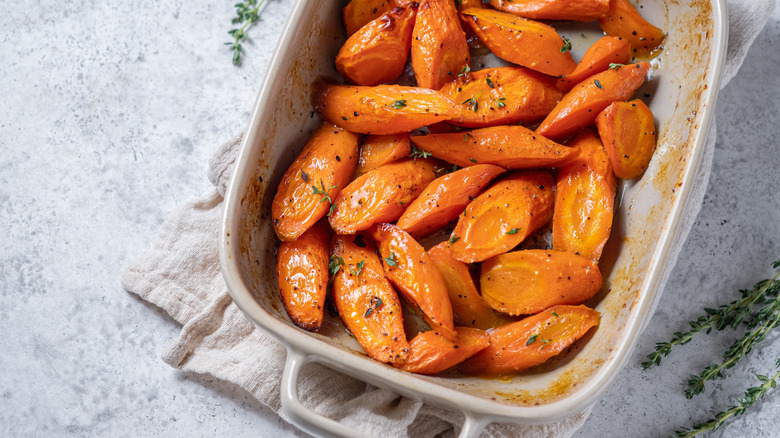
(681, 90)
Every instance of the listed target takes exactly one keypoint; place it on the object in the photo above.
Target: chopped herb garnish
(555, 314)
(467, 136)
(305, 177)
(391, 261)
(398, 104)
(532, 339)
(335, 264)
(545, 342)
(471, 104)
(472, 160)
(598, 84)
(375, 303)
(489, 82)
(464, 71)
(513, 231)
(612, 65)
(500, 102)
(453, 239)
(566, 45)
(419, 153)
(325, 194)
(359, 241)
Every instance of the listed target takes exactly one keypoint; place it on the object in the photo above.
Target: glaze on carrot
(431, 353)
(439, 48)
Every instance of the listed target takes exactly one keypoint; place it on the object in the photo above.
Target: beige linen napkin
(181, 274)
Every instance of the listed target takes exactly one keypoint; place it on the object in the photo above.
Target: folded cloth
(182, 275)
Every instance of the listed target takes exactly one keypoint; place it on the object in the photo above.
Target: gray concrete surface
(109, 112)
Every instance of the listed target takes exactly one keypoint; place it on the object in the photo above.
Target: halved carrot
(384, 109)
(445, 198)
(584, 199)
(531, 341)
(608, 50)
(358, 13)
(521, 41)
(380, 195)
(529, 281)
(432, 353)
(502, 96)
(366, 301)
(413, 273)
(377, 53)
(511, 147)
(580, 106)
(439, 48)
(313, 180)
(302, 276)
(623, 20)
(573, 10)
(503, 216)
(628, 132)
(468, 308)
(378, 150)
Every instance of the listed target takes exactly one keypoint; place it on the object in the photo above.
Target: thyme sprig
(752, 394)
(325, 194)
(247, 14)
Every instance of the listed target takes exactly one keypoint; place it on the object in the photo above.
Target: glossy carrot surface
(576, 10)
(608, 50)
(628, 132)
(439, 48)
(378, 150)
(431, 353)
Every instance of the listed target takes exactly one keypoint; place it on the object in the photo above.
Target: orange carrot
(313, 180)
(623, 20)
(431, 353)
(413, 273)
(445, 198)
(521, 41)
(529, 281)
(503, 216)
(576, 10)
(366, 301)
(358, 13)
(439, 48)
(502, 96)
(378, 150)
(580, 106)
(511, 147)
(384, 109)
(628, 132)
(606, 51)
(532, 341)
(584, 199)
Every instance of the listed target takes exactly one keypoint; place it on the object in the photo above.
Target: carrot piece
(413, 273)
(511, 147)
(302, 276)
(358, 13)
(432, 353)
(628, 132)
(623, 20)
(384, 109)
(377, 53)
(502, 96)
(380, 195)
(529, 281)
(378, 150)
(445, 198)
(606, 51)
(531, 341)
(580, 106)
(439, 48)
(521, 41)
(503, 216)
(573, 10)
(468, 307)
(584, 199)
(366, 301)
(314, 180)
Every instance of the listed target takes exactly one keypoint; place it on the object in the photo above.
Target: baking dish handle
(318, 425)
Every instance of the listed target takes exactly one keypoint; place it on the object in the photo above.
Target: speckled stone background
(109, 112)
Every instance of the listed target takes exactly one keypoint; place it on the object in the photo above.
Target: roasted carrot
(314, 180)
(380, 195)
(439, 48)
(531, 341)
(521, 41)
(377, 53)
(358, 13)
(502, 96)
(584, 199)
(529, 281)
(628, 132)
(432, 353)
(503, 216)
(384, 109)
(378, 150)
(302, 276)
(468, 307)
(445, 198)
(413, 273)
(366, 301)
(573, 10)
(606, 51)
(623, 20)
(580, 106)
(511, 147)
